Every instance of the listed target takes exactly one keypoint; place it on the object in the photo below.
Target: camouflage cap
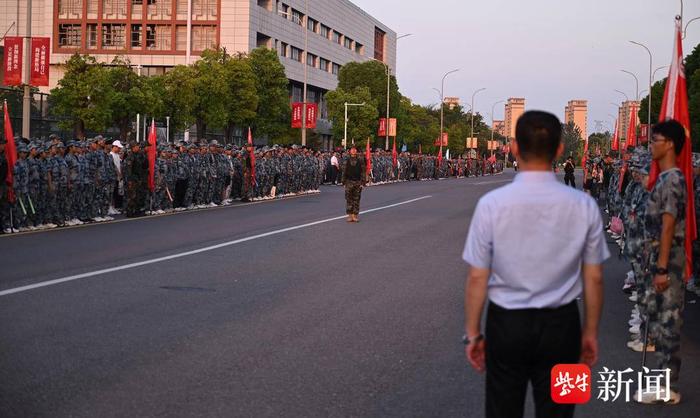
(22, 147)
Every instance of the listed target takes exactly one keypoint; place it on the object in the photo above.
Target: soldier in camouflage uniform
(20, 187)
(34, 196)
(62, 184)
(136, 181)
(74, 180)
(666, 211)
(354, 178)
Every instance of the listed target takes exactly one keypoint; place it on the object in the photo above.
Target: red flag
(152, 153)
(631, 140)
(368, 157)
(252, 157)
(10, 154)
(420, 149)
(623, 170)
(675, 106)
(616, 138)
(394, 155)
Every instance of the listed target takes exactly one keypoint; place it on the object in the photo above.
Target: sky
(548, 51)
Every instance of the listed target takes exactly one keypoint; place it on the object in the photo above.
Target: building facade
(451, 102)
(154, 34)
(514, 108)
(576, 111)
(624, 114)
(499, 127)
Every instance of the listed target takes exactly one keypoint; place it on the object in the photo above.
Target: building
(576, 111)
(499, 127)
(451, 102)
(153, 34)
(515, 107)
(624, 113)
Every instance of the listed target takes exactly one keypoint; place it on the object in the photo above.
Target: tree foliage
(271, 83)
(361, 119)
(573, 143)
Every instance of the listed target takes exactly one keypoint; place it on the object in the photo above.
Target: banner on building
(311, 115)
(40, 62)
(445, 140)
(13, 61)
(392, 127)
(382, 127)
(297, 109)
(472, 143)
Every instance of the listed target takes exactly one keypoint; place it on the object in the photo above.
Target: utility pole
(27, 99)
(304, 23)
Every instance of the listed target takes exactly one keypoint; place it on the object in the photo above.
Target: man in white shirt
(533, 247)
(118, 197)
(335, 165)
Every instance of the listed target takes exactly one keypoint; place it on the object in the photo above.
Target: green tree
(180, 96)
(82, 96)
(362, 119)
(657, 93)
(273, 113)
(573, 143)
(694, 108)
(212, 91)
(243, 96)
(600, 140)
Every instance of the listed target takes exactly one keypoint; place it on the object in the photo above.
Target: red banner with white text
(13, 61)
(40, 62)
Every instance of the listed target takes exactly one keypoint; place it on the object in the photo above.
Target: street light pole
(651, 81)
(493, 106)
(345, 136)
(636, 80)
(388, 90)
(472, 112)
(27, 98)
(442, 102)
(306, 70)
(624, 94)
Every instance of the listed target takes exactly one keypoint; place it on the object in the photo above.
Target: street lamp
(472, 112)
(653, 77)
(345, 135)
(624, 94)
(442, 102)
(636, 80)
(685, 30)
(651, 80)
(493, 106)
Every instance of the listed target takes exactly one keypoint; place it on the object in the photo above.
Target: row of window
(297, 54)
(312, 25)
(155, 9)
(154, 37)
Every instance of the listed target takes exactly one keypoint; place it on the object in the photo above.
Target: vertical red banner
(392, 127)
(13, 61)
(382, 127)
(40, 62)
(296, 114)
(644, 134)
(311, 115)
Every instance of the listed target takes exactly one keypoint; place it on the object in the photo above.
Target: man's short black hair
(538, 135)
(673, 130)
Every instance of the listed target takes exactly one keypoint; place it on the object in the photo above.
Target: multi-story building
(515, 107)
(451, 102)
(156, 35)
(576, 111)
(499, 127)
(624, 113)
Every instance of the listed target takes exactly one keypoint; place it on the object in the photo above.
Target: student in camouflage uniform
(20, 175)
(665, 237)
(694, 284)
(354, 178)
(136, 180)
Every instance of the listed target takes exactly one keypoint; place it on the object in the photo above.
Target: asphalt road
(272, 309)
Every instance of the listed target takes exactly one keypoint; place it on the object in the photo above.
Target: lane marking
(492, 182)
(193, 252)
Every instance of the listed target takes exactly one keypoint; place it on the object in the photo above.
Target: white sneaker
(7, 230)
(638, 346)
(32, 228)
(51, 225)
(633, 298)
(97, 219)
(634, 329)
(15, 230)
(77, 222)
(651, 398)
(23, 229)
(635, 321)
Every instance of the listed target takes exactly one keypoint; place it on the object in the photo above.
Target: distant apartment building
(499, 127)
(515, 107)
(159, 34)
(451, 102)
(576, 111)
(624, 113)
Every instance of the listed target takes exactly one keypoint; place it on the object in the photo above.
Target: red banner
(392, 127)
(311, 115)
(382, 127)
(40, 62)
(644, 134)
(296, 114)
(13, 61)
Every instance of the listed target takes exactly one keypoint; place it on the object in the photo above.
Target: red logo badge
(571, 383)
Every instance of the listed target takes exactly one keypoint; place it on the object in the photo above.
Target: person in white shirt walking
(118, 196)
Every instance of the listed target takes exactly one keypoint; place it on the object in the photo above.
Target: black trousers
(569, 179)
(522, 346)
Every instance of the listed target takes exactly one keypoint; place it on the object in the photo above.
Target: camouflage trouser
(90, 199)
(107, 194)
(665, 315)
(189, 193)
(353, 193)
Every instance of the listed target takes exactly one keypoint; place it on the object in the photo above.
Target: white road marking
(192, 252)
(492, 182)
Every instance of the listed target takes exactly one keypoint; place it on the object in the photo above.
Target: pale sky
(548, 51)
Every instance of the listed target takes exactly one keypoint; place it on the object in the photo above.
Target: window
(203, 37)
(92, 8)
(336, 68)
(337, 37)
(160, 10)
(325, 31)
(69, 36)
(265, 4)
(297, 17)
(113, 36)
(347, 43)
(136, 37)
(323, 64)
(137, 9)
(181, 38)
(311, 24)
(114, 9)
(283, 9)
(296, 54)
(283, 49)
(203, 9)
(379, 36)
(92, 36)
(311, 60)
(359, 48)
(70, 9)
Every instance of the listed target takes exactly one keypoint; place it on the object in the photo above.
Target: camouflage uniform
(353, 188)
(665, 309)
